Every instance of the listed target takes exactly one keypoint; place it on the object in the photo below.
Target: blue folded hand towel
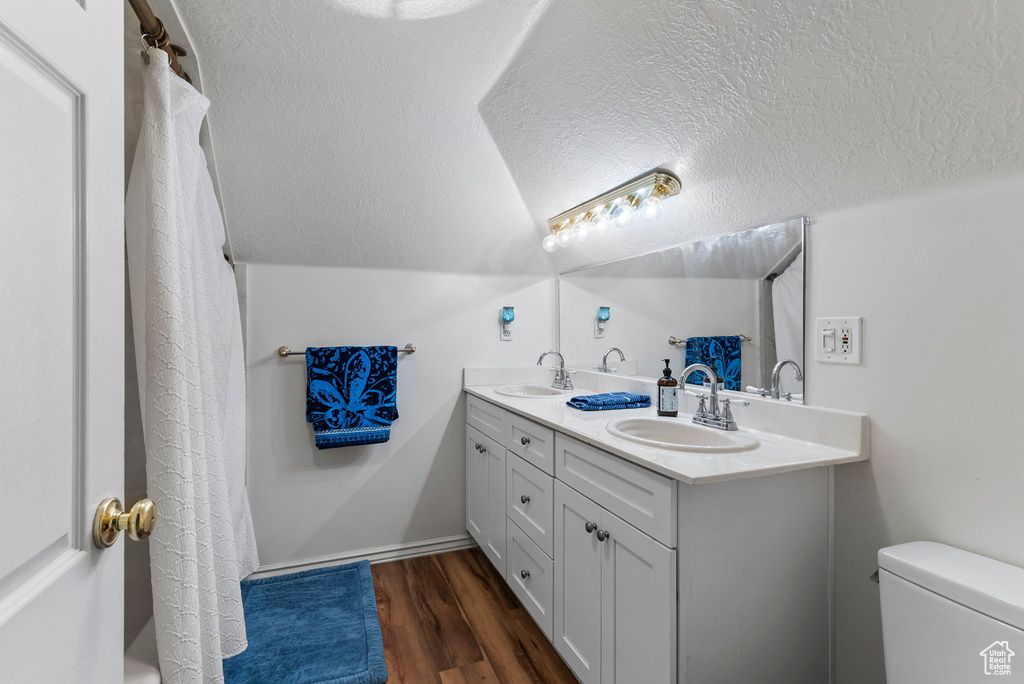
(721, 353)
(350, 394)
(610, 401)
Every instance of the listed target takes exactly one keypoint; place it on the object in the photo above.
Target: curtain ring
(146, 44)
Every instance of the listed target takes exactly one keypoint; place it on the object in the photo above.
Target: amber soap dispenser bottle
(668, 393)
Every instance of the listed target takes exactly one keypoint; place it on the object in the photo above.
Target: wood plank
(450, 619)
(516, 649)
(470, 674)
(421, 619)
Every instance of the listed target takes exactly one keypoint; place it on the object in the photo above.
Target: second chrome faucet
(603, 368)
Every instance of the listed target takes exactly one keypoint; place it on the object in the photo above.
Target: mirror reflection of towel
(721, 353)
(350, 394)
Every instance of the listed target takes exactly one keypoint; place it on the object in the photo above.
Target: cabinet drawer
(535, 443)
(531, 576)
(486, 417)
(642, 498)
(535, 514)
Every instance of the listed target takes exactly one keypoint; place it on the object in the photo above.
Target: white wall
(310, 504)
(937, 278)
(647, 311)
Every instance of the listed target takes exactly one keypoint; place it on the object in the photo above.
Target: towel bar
(285, 351)
(676, 340)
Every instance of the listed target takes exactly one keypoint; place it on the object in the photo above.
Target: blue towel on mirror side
(721, 353)
(610, 401)
(350, 394)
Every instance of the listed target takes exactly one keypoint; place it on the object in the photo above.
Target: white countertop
(844, 435)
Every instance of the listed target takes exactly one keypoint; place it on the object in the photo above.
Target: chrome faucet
(708, 410)
(562, 380)
(603, 368)
(775, 393)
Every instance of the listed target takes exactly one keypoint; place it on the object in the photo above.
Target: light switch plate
(838, 339)
(599, 330)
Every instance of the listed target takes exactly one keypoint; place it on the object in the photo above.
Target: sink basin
(681, 435)
(529, 391)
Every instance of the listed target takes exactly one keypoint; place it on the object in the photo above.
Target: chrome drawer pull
(590, 527)
(602, 535)
(524, 499)
(525, 574)
(525, 441)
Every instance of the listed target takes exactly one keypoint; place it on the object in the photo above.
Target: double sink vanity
(651, 549)
(655, 550)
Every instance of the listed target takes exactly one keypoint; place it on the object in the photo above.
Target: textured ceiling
(768, 109)
(347, 131)
(441, 134)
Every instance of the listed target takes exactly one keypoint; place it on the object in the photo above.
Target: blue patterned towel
(610, 401)
(721, 353)
(350, 394)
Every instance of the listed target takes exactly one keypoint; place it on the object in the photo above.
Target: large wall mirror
(735, 302)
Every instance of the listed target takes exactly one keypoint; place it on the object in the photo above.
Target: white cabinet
(530, 574)
(614, 596)
(496, 526)
(638, 606)
(531, 496)
(476, 487)
(577, 583)
(534, 443)
(485, 495)
(592, 555)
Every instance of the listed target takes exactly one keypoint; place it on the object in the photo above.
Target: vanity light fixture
(508, 314)
(619, 206)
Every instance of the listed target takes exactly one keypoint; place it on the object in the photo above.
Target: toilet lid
(982, 584)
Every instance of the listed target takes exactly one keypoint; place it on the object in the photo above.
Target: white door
(577, 602)
(496, 527)
(638, 605)
(476, 486)
(61, 336)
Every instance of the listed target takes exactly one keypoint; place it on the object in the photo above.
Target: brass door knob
(111, 519)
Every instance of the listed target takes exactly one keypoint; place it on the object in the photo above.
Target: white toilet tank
(949, 616)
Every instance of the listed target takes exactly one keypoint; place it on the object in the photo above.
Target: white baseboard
(380, 554)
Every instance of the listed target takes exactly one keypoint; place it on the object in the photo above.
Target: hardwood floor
(450, 619)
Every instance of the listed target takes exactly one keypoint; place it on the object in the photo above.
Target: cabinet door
(476, 487)
(638, 606)
(578, 584)
(496, 525)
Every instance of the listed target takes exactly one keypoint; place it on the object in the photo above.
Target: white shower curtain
(188, 342)
(788, 308)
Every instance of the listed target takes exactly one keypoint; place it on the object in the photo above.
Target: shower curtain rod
(154, 33)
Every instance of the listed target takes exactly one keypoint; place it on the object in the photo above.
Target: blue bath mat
(314, 627)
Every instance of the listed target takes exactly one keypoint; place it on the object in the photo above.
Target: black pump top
(668, 371)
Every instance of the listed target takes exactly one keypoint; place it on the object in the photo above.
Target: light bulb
(549, 243)
(602, 222)
(623, 216)
(563, 238)
(582, 231)
(650, 207)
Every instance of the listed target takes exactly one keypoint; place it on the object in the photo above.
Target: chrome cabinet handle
(525, 574)
(524, 499)
(590, 527)
(525, 441)
(602, 535)
(478, 447)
